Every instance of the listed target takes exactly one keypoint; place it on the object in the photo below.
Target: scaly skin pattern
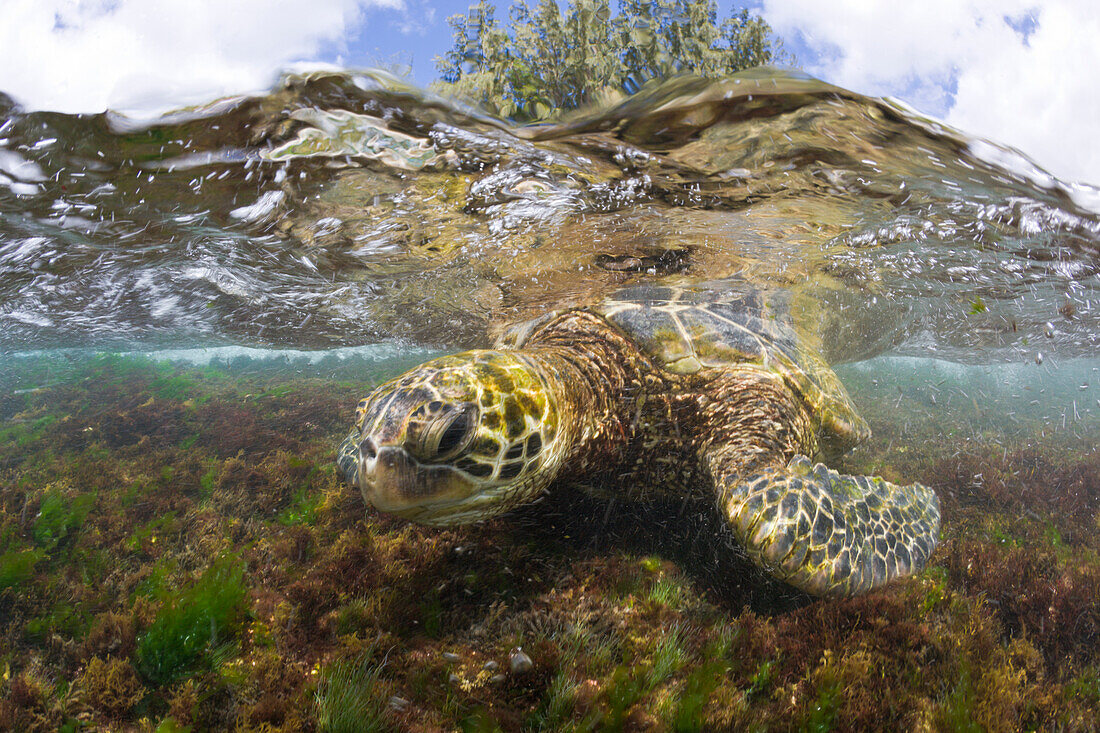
(504, 458)
(828, 533)
(469, 436)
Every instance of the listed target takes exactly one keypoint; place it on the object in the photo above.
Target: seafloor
(177, 553)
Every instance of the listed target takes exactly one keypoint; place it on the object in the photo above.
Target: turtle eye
(447, 435)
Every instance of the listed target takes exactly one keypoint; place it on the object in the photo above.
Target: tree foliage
(547, 59)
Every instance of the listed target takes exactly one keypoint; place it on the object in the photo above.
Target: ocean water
(191, 306)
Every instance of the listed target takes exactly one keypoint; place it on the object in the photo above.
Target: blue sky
(412, 35)
(1018, 72)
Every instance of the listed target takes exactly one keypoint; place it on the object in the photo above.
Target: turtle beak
(381, 474)
(393, 481)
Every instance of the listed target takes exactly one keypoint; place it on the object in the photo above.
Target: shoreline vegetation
(547, 60)
(178, 553)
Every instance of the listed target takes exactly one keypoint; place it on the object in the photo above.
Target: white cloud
(88, 55)
(1019, 72)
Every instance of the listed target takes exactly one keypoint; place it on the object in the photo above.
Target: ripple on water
(327, 220)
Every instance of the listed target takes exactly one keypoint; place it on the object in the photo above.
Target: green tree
(548, 59)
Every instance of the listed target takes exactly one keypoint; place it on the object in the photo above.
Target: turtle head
(456, 439)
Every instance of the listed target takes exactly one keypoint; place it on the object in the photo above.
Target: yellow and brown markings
(514, 417)
(829, 533)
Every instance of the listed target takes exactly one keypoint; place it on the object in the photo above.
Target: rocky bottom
(177, 553)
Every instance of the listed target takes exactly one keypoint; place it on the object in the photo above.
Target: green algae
(145, 537)
(665, 591)
(697, 690)
(17, 566)
(349, 698)
(303, 508)
(169, 725)
(956, 709)
(63, 618)
(555, 711)
(1085, 687)
(23, 434)
(667, 659)
(193, 622)
(58, 515)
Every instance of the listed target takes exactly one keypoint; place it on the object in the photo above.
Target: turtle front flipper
(347, 457)
(827, 533)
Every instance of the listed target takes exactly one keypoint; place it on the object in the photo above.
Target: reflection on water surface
(343, 209)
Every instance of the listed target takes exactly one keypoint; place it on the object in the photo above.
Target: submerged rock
(519, 662)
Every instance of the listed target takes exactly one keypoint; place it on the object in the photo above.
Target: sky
(1018, 72)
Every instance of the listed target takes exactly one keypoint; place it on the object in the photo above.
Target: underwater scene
(193, 307)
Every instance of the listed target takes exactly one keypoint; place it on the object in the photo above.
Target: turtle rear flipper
(827, 533)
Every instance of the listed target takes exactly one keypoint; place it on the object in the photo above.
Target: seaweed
(558, 704)
(302, 509)
(667, 659)
(193, 622)
(349, 697)
(58, 514)
(697, 690)
(17, 566)
(67, 618)
(956, 711)
(111, 686)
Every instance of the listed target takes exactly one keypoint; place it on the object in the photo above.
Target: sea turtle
(701, 388)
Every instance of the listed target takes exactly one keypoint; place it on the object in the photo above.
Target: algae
(58, 515)
(16, 566)
(348, 697)
(193, 622)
